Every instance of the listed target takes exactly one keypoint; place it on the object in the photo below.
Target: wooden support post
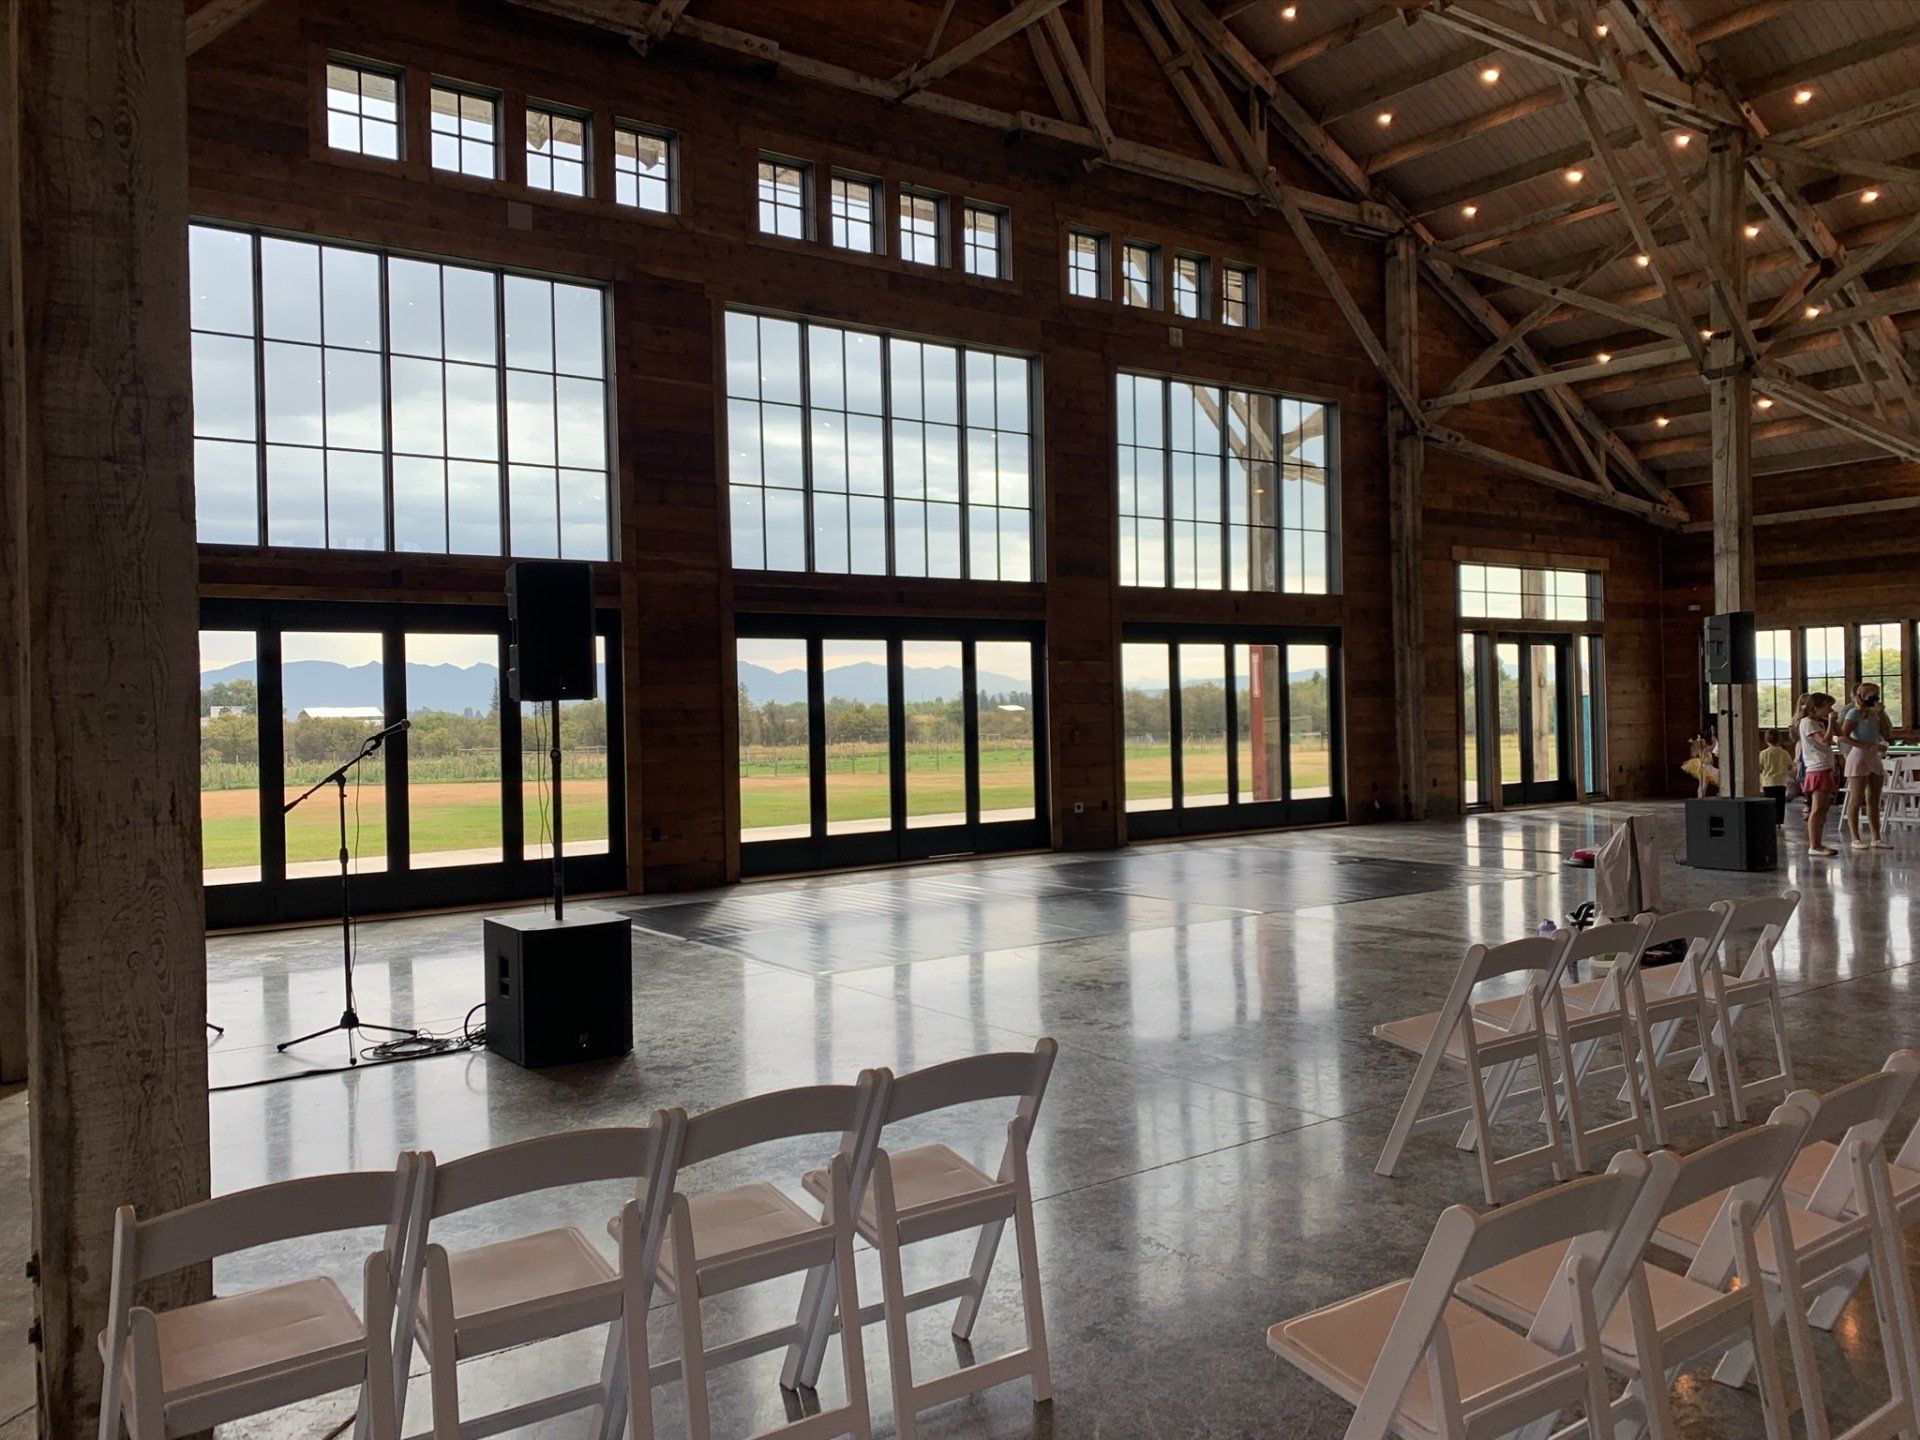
(1406, 457)
(13, 659)
(1730, 394)
(101, 488)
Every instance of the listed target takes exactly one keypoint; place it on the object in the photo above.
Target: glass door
(1534, 678)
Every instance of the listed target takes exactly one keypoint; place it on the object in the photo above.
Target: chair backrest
(285, 1210)
(1531, 954)
(1755, 927)
(1466, 1242)
(1623, 939)
(1613, 1250)
(848, 1110)
(1701, 927)
(546, 1162)
(1004, 1074)
(1857, 1113)
(1744, 1169)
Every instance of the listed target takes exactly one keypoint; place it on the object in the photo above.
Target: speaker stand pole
(559, 789)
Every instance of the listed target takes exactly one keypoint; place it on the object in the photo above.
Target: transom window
(363, 109)
(853, 205)
(1190, 286)
(1239, 296)
(922, 221)
(465, 124)
(375, 401)
(1087, 264)
(643, 165)
(1516, 592)
(557, 151)
(984, 241)
(782, 189)
(1221, 489)
(850, 451)
(1140, 275)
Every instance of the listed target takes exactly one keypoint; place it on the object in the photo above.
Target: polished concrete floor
(1204, 1160)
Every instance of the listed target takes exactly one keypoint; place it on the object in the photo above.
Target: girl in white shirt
(1813, 729)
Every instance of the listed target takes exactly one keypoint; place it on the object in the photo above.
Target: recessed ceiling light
(1662, 421)
(1601, 30)
(1469, 211)
(1765, 402)
(1867, 197)
(1812, 312)
(1603, 357)
(1292, 12)
(1490, 75)
(1643, 260)
(1385, 117)
(1575, 176)
(1706, 334)
(1753, 232)
(1801, 97)
(1682, 139)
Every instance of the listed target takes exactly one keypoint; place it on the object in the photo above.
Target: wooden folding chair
(718, 1241)
(1580, 1031)
(487, 1298)
(1742, 978)
(1671, 1321)
(929, 1191)
(1662, 1007)
(1488, 1042)
(179, 1371)
(1851, 1230)
(1416, 1362)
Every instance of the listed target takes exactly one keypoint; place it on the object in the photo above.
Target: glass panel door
(455, 801)
(333, 696)
(1309, 723)
(583, 770)
(229, 757)
(858, 750)
(1535, 679)
(1004, 698)
(1260, 704)
(1543, 713)
(1146, 690)
(1203, 726)
(776, 762)
(1470, 738)
(934, 702)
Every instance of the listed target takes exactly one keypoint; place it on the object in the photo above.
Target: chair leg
(445, 1379)
(693, 1345)
(846, 1289)
(984, 1250)
(633, 1335)
(809, 1347)
(613, 1384)
(1893, 1302)
(893, 1298)
(1035, 1312)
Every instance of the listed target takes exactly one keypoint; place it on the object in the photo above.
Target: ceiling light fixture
(1603, 357)
(1662, 421)
(1643, 261)
(1801, 97)
(1601, 30)
(1385, 117)
(1575, 176)
(1812, 312)
(1765, 402)
(1490, 75)
(1867, 197)
(1469, 211)
(1753, 232)
(1706, 334)
(1292, 12)
(1682, 139)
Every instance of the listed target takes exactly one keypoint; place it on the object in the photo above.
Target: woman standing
(1863, 731)
(1813, 729)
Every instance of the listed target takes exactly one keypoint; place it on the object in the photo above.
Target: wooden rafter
(214, 19)
(923, 73)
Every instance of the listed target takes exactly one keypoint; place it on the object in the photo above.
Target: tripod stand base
(349, 1024)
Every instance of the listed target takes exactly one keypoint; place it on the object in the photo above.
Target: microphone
(373, 740)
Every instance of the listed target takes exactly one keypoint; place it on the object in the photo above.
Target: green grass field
(1204, 767)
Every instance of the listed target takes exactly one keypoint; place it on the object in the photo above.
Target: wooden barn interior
(852, 567)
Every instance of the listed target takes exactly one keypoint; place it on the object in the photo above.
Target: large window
(1880, 664)
(1826, 652)
(1221, 488)
(1226, 732)
(378, 402)
(863, 453)
(1515, 592)
(1773, 668)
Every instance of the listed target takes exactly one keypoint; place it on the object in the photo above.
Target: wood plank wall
(258, 156)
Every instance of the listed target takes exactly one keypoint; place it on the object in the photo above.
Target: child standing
(1863, 732)
(1776, 768)
(1814, 732)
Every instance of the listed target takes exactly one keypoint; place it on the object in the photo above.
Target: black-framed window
(360, 399)
(465, 125)
(1824, 648)
(1222, 488)
(559, 149)
(1230, 728)
(1880, 647)
(363, 108)
(1192, 286)
(853, 208)
(1775, 695)
(923, 227)
(1087, 264)
(1140, 275)
(862, 741)
(1239, 296)
(783, 189)
(984, 240)
(860, 452)
(453, 811)
(1530, 592)
(645, 162)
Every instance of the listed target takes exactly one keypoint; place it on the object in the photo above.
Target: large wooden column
(1730, 386)
(13, 665)
(1406, 458)
(101, 489)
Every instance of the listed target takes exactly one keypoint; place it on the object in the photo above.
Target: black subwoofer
(1725, 833)
(559, 991)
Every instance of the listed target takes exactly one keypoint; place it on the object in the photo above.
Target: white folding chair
(1671, 1321)
(1851, 1230)
(1416, 1362)
(175, 1372)
(929, 1191)
(486, 1298)
(1742, 978)
(1488, 1042)
(722, 1240)
(1663, 1004)
(1580, 1031)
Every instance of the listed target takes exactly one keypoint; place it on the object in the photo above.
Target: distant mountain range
(306, 683)
(866, 682)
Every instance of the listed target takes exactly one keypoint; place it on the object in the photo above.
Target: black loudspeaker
(1728, 641)
(559, 991)
(1726, 833)
(550, 607)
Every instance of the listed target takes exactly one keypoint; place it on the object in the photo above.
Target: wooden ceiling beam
(1808, 69)
(1180, 67)
(923, 73)
(1327, 43)
(1397, 83)
(1894, 439)
(1522, 172)
(1701, 442)
(1458, 444)
(1461, 131)
(1566, 294)
(214, 19)
(1736, 22)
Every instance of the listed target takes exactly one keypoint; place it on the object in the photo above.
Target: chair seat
(728, 1221)
(1340, 1345)
(1812, 1161)
(1685, 1230)
(921, 1176)
(521, 1273)
(218, 1342)
(1661, 981)
(1517, 1289)
(1489, 1025)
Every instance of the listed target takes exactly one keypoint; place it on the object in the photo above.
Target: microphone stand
(350, 1021)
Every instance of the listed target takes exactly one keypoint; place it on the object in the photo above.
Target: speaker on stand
(1730, 831)
(559, 987)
